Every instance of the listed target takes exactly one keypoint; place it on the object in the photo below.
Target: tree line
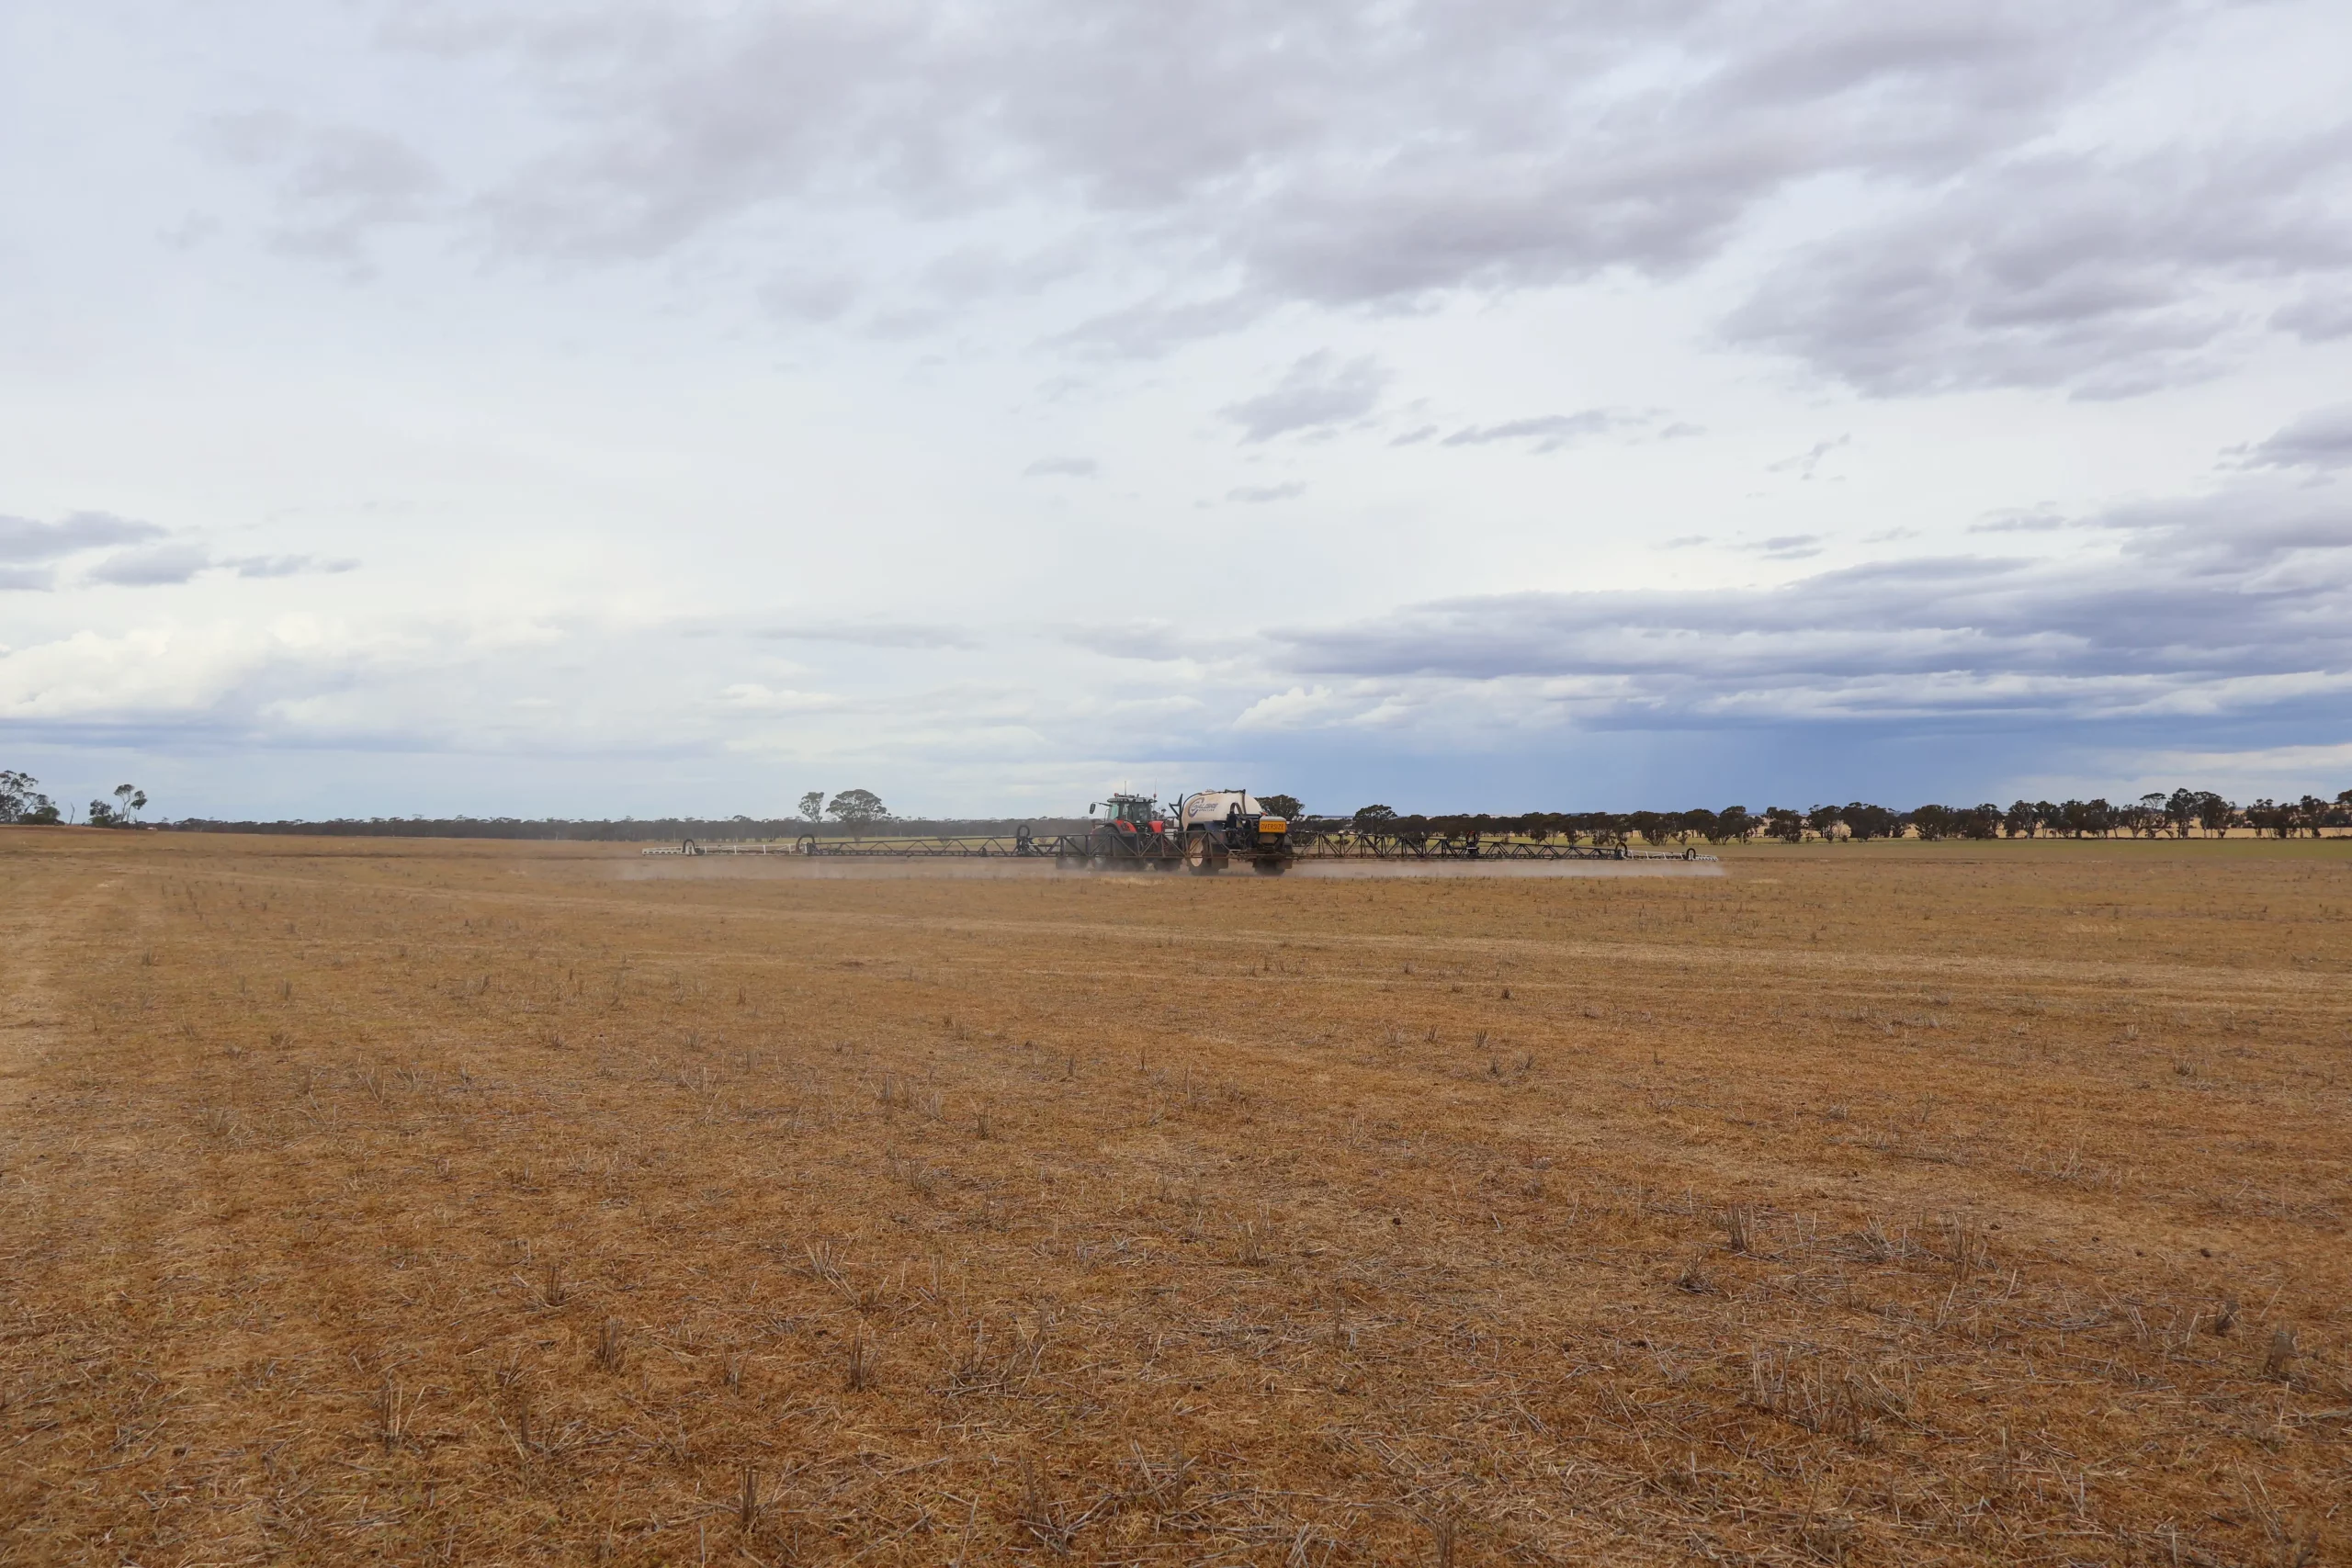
(2182, 813)
(22, 802)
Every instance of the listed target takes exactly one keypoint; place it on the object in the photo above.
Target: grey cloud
(165, 565)
(285, 566)
(26, 579)
(1806, 463)
(24, 540)
(1355, 155)
(1071, 467)
(2199, 597)
(1259, 494)
(2319, 440)
(337, 184)
(1547, 433)
(809, 295)
(877, 634)
(2317, 317)
(2102, 277)
(154, 566)
(1790, 547)
(1320, 391)
(1154, 640)
(1144, 332)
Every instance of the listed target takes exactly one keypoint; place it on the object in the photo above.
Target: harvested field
(438, 1202)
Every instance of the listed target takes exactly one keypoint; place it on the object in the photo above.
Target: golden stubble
(463, 1203)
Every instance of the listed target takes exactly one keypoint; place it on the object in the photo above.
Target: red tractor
(1132, 835)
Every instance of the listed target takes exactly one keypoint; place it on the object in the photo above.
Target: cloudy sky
(640, 406)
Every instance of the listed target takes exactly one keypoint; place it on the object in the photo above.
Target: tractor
(1132, 835)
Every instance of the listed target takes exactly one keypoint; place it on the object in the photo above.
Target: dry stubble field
(429, 1202)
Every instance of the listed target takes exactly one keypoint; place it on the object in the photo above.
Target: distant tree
(1784, 824)
(857, 806)
(130, 800)
(2266, 816)
(2180, 808)
(1934, 821)
(812, 805)
(2311, 815)
(2087, 818)
(1979, 821)
(1866, 821)
(1374, 815)
(2215, 814)
(1283, 805)
(21, 802)
(1733, 824)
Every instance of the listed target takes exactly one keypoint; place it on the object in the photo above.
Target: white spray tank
(1215, 807)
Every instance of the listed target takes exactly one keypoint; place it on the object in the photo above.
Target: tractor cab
(1130, 814)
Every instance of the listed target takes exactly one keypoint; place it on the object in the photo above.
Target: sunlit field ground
(433, 1203)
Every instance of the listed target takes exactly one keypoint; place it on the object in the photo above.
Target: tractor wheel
(1204, 858)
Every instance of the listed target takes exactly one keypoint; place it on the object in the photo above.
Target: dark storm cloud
(1320, 392)
(2319, 440)
(2103, 277)
(2253, 583)
(1348, 155)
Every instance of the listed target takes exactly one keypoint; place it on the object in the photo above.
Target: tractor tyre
(1203, 858)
